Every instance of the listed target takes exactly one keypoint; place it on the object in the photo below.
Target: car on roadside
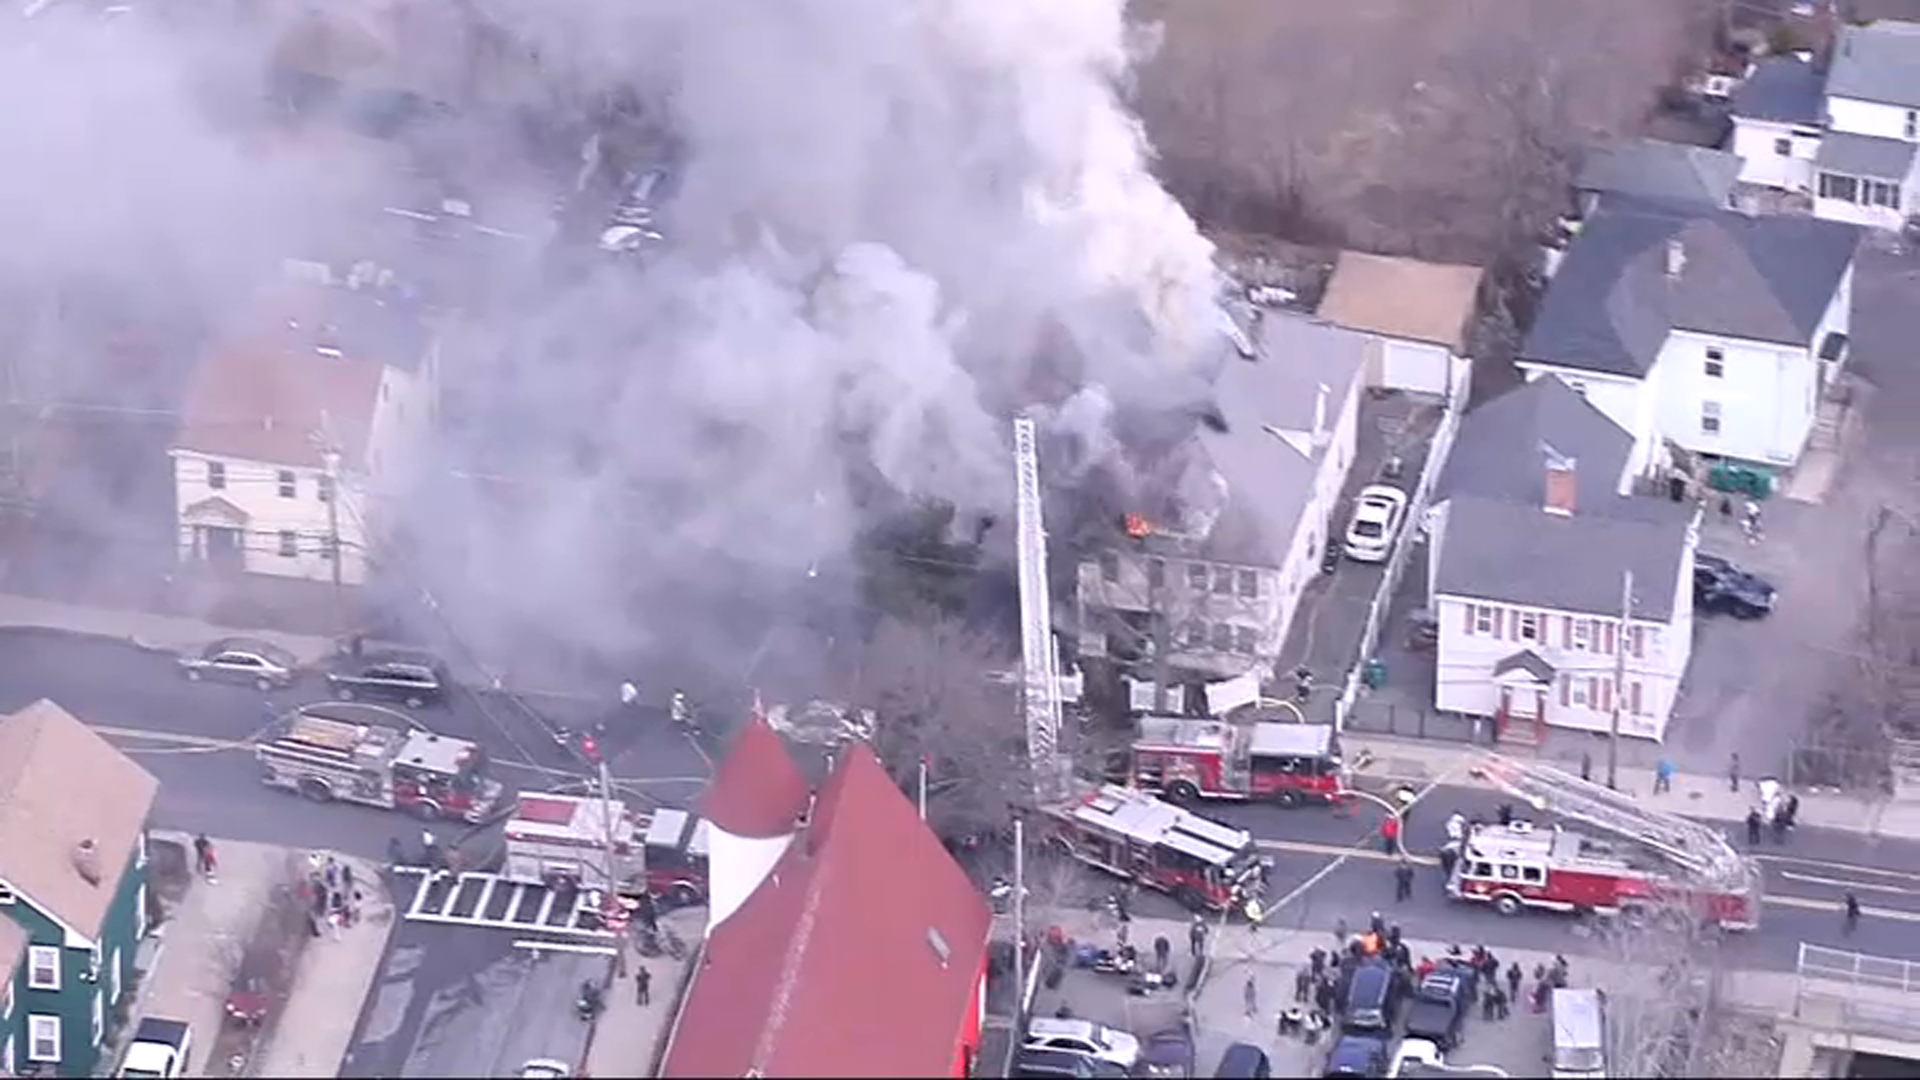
(412, 681)
(1052, 1063)
(1378, 512)
(1372, 998)
(1359, 1056)
(1721, 586)
(1083, 1037)
(1441, 1003)
(159, 1050)
(1414, 1055)
(246, 661)
(545, 1069)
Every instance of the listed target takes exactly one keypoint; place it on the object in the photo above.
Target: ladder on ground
(1701, 850)
(489, 900)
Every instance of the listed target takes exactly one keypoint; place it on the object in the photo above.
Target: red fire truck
(341, 751)
(553, 839)
(1206, 865)
(1654, 864)
(1208, 759)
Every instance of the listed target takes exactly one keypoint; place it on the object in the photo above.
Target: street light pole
(330, 456)
(1619, 680)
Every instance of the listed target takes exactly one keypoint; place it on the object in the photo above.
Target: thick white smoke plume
(897, 223)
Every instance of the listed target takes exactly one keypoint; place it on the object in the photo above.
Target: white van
(1579, 1035)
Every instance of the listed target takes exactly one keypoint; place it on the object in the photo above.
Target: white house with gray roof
(1217, 559)
(1849, 138)
(1715, 332)
(1532, 539)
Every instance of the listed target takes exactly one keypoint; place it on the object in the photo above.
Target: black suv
(1440, 1005)
(410, 681)
(1357, 1056)
(1372, 997)
(1721, 586)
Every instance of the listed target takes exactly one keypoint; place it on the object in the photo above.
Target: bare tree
(931, 683)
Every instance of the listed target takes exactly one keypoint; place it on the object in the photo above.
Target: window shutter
(1513, 625)
(1606, 638)
(1639, 642)
(1604, 694)
(1467, 627)
(1633, 698)
(1566, 690)
(1566, 632)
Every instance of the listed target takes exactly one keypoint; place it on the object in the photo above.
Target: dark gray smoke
(897, 224)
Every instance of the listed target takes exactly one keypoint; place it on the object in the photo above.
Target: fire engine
(566, 839)
(1652, 864)
(343, 752)
(1209, 759)
(1127, 832)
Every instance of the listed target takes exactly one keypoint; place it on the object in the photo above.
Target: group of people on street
(1779, 818)
(333, 896)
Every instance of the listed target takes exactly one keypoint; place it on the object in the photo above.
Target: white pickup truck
(159, 1050)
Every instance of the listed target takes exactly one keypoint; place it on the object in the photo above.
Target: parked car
(1051, 1063)
(1413, 1056)
(1244, 1061)
(545, 1069)
(1083, 1037)
(1720, 586)
(243, 660)
(1440, 1005)
(1377, 515)
(413, 682)
(1373, 995)
(1357, 1056)
(159, 1050)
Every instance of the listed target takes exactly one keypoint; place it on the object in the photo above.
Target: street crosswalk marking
(476, 896)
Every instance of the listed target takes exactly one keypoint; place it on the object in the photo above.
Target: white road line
(1841, 883)
(1859, 868)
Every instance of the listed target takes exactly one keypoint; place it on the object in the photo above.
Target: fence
(1382, 601)
(1872, 993)
(1414, 721)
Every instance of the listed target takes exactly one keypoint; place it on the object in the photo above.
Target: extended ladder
(1700, 850)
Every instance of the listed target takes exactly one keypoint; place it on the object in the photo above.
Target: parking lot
(1325, 635)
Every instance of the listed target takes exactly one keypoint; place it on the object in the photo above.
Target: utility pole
(330, 459)
(1619, 680)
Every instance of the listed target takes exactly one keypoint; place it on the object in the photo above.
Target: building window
(1222, 637)
(1223, 580)
(1197, 577)
(1109, 561)
(1583, 634)
(1842, 188)
(1246, 640)
(1881, 193)
(1530, 626)
(289, 543)
(1483, 617)
(325, 490)
(43, 967)
(328, 545)
(1156, 573)
(1195, 635)
(1710, 417)
(217, 475)
(288, 488)
(1582, 691)
(1716, 363)
(1783, 147)
(43, 1038)
(1911, 128)
(6, 895)
(1578, 386)
(1249, 584)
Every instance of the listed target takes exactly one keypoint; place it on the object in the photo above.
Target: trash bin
(1374, 674)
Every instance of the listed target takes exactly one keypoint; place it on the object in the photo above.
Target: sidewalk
(629, 1038)
(160, 633)
(189, 965)
(1711, 797)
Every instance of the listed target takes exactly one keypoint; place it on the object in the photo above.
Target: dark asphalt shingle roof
(1781, 89)
(1611, 305)
(1878, 63)
(1517, 553)
(1498, 452)
(1864, 155)
(1661, 171)
(1525, 660)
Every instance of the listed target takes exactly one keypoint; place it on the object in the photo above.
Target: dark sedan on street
(411, 681)
(1722, 587)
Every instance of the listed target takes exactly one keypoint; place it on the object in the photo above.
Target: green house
(73, 882)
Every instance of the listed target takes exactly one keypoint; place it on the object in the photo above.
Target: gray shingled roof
(1611, 305)
(1517, 553)
(1525, 660)
(1782, 89)
(1878, 63)
(1661, 171)
(1498, 453)
(1864, 155)
(1261, 483)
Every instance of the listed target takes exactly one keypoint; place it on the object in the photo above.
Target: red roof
(757, 792)
(859, 955)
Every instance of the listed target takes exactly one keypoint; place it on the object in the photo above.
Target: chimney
(86, 861)
(1320, 433)
(1676, 257)
(1562, 483)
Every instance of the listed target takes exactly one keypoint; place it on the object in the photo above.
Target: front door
(225, 547)
(1521, 702)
